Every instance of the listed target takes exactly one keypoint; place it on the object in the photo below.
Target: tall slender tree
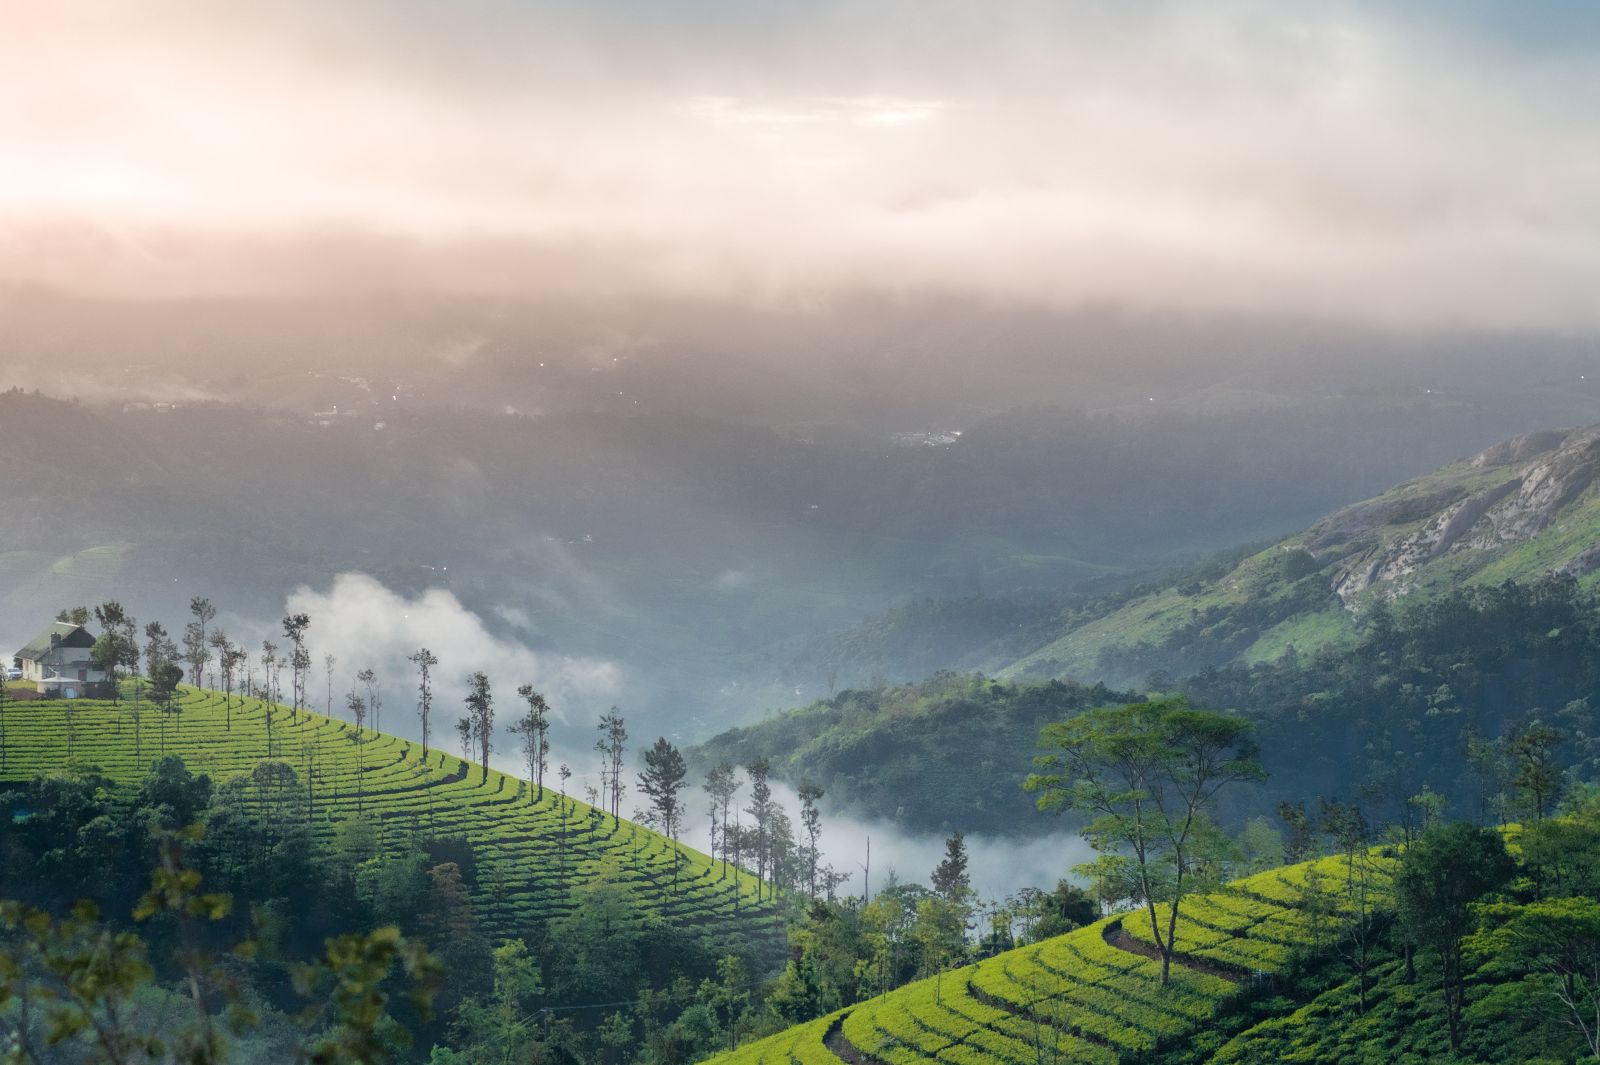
(218, 642)
(197, 652)
(328, 662)
(612, 744)
(480, 708)
(369, 679)
(229, 659)
(950, 878)
(115, 647)
(1536, 772)
(761, 808)
(464, 734)
(424, 660)
(164, 681)
(811, 821)
(155, 649)
(272, 667)
(533, 730)
(269, 670)
(358, 714)
(661, 781)
(565, 774)
(721, 785)
(294, 630)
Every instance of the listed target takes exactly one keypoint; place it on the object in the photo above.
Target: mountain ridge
(1523, 509)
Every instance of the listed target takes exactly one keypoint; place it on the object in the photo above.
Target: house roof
(71, 636)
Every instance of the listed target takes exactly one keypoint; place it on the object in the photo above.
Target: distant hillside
(709, 560)
(945, 755)
(1523, 510)
(1367, 650)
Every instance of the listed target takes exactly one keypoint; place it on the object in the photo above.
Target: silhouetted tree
(480, 708)
(328, 662)
(424, 660)
(116, 650)
(660, 781)
(358, 714)
(722, 783)
(164, 681)
(1536, 773)
(294, 630)
(811, 821)
(613, 745)
(950, 878)
(761, 808)
(533, 729)
(196, 650)
(369, 679)
(270, 663)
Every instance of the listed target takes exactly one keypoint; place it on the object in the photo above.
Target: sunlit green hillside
(529, 852)
(1093, 995)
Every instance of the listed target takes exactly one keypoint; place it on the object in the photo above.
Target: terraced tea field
(529, 853)
(1092, 996)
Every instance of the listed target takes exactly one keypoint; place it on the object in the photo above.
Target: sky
(1424, 163)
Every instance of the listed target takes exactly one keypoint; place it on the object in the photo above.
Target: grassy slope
(529, 853)
(1259, 580)
(1075, 998)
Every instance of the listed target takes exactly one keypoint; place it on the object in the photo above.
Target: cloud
(997, 865)
(364, 624)
(1425, 163)
(732, 580)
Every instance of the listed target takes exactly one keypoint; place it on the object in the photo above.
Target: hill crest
(1525, 509)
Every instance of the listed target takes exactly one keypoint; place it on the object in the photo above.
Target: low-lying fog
(365, 625)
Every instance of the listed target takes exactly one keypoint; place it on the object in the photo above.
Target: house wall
(70, 662)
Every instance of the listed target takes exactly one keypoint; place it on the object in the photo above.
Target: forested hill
(948, 754)
(1523, 510)
(1421, 685)
(1368, 648)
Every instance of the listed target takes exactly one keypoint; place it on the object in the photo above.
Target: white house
(57, 660)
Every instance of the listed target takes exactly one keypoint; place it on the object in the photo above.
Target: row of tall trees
(766, 846)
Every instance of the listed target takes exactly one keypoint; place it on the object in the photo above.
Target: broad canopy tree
(1147, 775)
(1441, 876)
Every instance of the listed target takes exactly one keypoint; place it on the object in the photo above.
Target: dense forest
(1433, 694)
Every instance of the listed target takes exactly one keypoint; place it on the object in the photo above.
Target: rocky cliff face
(1545, 473)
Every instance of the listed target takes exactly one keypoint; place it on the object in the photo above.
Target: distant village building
(57, 661)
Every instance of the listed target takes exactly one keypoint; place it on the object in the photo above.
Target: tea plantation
(1093, 995)
(529, 852)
